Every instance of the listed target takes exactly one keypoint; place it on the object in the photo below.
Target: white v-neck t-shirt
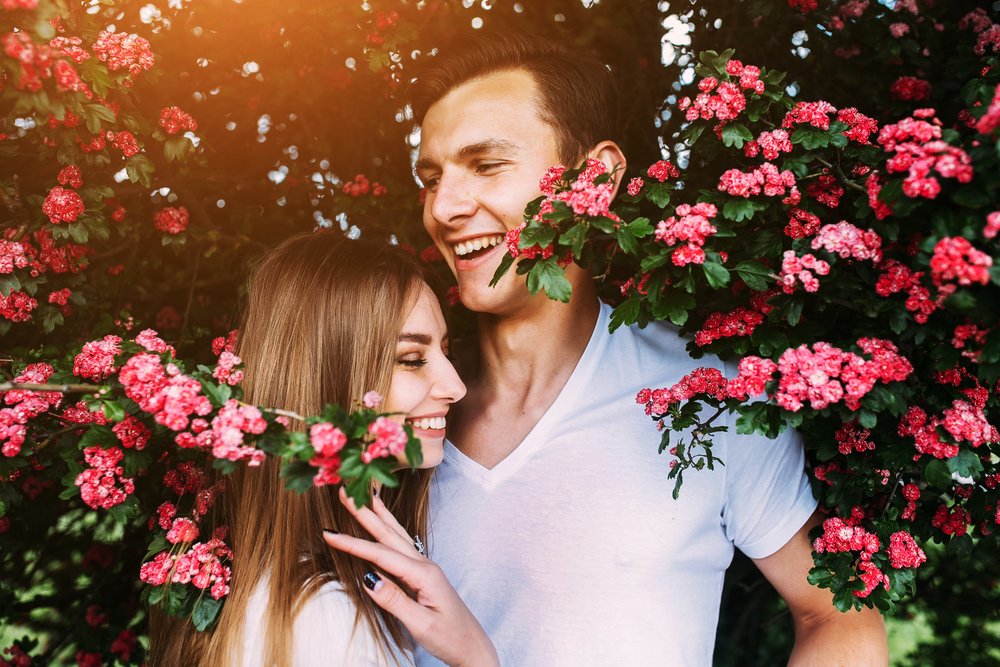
(571, 551)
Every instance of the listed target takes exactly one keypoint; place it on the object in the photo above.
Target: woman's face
(424, 383)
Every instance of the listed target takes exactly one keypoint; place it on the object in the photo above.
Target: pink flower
(849, 242)
(689, 228)
(123, 51)
(634, 186)
(701, 381)
(861, 126)
(327, 439)
(904, 552)
(795, 269)
(226, 370)
(956, 260)
(124, 141)
(62, 205)
(990, 231)
(810, 113)
(174, 120)
(910, 88)
(96, 360)
(547, 185)
(773, 144)
(371, 399)
(390, 440)
(17, 306)
(171, 220)
(916, 423)
(801, 224)
(899, 29)
(152, 342)
(99, 484)
(661, 171)
(738, 322)
(754, 374)
(726, 104)
(990, 121)
(70, 176)
(852, 438)
(182, 530)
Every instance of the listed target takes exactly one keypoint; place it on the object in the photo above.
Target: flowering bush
(791, 265)
(150, 421)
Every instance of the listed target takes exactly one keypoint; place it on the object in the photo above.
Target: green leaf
(937, 474)
(626, 313)
(505, 263)
(640, 227)
(692, 133)
(217, 393)
(754, 274)
(537, 234)
(794, 313)
(575, 237)
(549, 276)
(206, 610)
(140, 169)
(966, 463)
(113, 411)
(717, 274)
(739, 210)
(810, 138)
(734, 135)
(627, 241)
(971, 197)
(659, 193)
(8, 283)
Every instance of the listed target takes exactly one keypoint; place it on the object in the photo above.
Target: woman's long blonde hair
(320, 326)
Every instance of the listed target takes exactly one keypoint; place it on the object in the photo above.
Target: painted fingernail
(374, 490)
(373, 582)
(331, 531)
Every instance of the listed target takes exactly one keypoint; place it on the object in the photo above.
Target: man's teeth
(429, 423)
(465, 247)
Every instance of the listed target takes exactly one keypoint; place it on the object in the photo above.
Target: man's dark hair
(579, 97)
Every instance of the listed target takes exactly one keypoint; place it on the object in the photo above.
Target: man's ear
(613, 158)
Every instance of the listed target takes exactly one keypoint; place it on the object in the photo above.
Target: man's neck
(529, 352)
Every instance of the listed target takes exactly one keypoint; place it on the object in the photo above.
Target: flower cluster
(910, 88)
(203, 566)
(737, 322)
(766, 178)
(660, 170)
(824, 374)
(804, 269)
(226, 370)
(361, 186)
(852, 438)
(840, 535)
(166, 393)
(699, 382)
(124, 51)
(99, 484)
(769, 144)
(847, 241)
(860, 126)
(23, 406)
(327, 440)
(132, 433)
(726, 103)
(174, 120)
(171, 219)
(390, 440)
(690, 226)
(63, 205)
(825, 190)
(918, 150)
(801, 223)
(96, 361)
(816, 114)
(956, 260)
(224, 436)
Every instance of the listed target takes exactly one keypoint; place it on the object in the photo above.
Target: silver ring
(418, 545)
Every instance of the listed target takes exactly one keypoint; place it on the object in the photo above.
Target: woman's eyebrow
(423, 339)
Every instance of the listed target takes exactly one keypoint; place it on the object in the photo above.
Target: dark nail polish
(372, 581)
(374, 490)
(331, 531)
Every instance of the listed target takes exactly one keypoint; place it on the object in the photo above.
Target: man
(552, 513)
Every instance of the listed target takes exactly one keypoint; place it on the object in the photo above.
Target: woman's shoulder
(327, 631)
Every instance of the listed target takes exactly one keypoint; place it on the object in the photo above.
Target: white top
(571, 550)
(324, 632)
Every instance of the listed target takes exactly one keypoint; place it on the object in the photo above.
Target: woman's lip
(470, 264)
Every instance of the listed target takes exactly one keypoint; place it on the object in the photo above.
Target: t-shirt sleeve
(768, 498)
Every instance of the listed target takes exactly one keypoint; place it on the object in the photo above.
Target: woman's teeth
(428, 423)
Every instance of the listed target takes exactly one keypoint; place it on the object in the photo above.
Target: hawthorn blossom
(904, 552)
(132, 433)
(171, 219)
(990, 121)
(990, 231)
(815, 114)
(17, 306)
(849, 242)
(62, 205)
(910, 88)
(916, 423)
(225, 371)
(727, 102)
(390, 440)
(804, 269)
(123, 51)
(700, 381)
(956, 260)
(201, 566)
(70, 175)
(326, 439)
(738, 322)
(661, 171)
(103, 485)
(634, 186)
(688, 228)
(174, 120)
(753, 374)
(801, 224)
(96, 361)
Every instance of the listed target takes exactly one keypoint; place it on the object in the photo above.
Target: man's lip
(462, 264)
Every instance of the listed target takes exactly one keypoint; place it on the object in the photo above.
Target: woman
(327, 320)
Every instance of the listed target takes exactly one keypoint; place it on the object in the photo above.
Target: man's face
(483, 149)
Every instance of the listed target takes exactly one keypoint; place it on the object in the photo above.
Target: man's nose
(453, 201)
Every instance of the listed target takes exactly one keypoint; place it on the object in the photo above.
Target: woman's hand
(436, 616)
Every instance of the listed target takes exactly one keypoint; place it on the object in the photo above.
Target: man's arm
(824, 637)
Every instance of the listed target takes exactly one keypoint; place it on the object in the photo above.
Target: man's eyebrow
(501, 146)
(423, 339)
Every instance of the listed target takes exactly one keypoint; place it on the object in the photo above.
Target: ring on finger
(418, 545)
